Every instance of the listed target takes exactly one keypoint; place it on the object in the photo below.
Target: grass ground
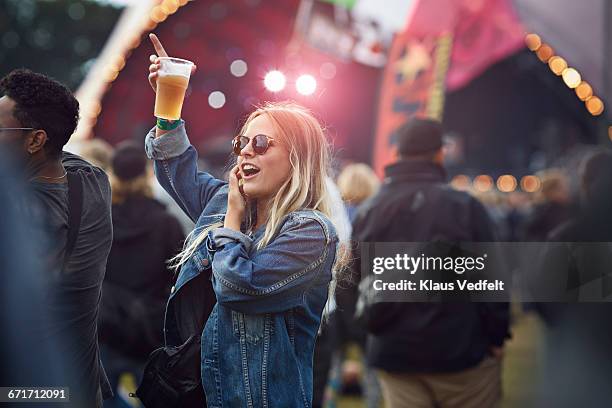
(521, 366)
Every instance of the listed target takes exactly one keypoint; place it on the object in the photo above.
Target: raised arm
(175, 159)
(176, 169)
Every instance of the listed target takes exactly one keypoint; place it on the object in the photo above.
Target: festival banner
(446, 44)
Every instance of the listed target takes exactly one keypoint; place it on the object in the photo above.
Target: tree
(60, 38)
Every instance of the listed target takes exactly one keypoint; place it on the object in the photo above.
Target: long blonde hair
(122, 189)
(357, 182)
(309, 155)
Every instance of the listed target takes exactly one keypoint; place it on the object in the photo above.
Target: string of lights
(571, 76)
(505, 183)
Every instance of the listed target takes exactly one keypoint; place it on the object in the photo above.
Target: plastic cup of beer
(172, 80)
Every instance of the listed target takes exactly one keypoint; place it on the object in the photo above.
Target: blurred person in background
(29, 358)
(357, 182)
(98, 152)
(430, 354)
(138, 279)
(552, 206)
(518, 207)
(326, 360)
(578, 359)
(495, 204)
(71, 202)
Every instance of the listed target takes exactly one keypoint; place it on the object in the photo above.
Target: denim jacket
(258, 342)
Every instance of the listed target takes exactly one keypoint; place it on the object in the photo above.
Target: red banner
(445, 45)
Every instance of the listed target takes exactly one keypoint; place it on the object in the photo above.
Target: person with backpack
(70, 204)
(430, 354)
(138, 278)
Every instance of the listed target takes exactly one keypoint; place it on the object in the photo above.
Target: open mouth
(249, 170)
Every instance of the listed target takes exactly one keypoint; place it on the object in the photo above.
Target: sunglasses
(260, 143)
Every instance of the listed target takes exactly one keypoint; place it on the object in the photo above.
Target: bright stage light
(275, 81)
(306, 84)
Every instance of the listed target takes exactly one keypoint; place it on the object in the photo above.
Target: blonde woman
(357, 182)
(266, 241)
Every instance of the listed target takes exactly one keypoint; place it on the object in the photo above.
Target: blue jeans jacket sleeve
(272, 279)
(176, 170)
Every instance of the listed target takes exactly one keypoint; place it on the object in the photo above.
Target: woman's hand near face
(236, 203)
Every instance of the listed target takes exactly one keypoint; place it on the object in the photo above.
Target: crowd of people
(253, 299)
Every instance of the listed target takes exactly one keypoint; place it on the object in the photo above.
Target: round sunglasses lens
(239, 143)
(260, 144)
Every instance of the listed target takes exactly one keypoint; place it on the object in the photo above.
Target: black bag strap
(75, 207)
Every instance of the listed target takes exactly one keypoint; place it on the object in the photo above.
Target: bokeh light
(584, 91)
(571, 77)
(216, 99)
(545, 52)
(111, 75)
(327, 70)
(506, 183)
(239, 68)
(150, 24)
(533, 41)
(275, 81)
(595, 106)
(483, 183)
(306, 84)
(118, 62)
(530, 184)
(158, 15)
(557, 65)
(461, 182)
(170, 6)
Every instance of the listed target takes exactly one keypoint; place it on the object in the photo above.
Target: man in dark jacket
(431, 354)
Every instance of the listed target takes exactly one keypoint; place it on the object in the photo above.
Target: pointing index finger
(159, 48)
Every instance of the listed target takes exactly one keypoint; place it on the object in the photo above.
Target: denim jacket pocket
(211, 381)
(251, 327)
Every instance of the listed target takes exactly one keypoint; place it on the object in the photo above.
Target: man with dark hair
(430, 354)
(71, 205)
